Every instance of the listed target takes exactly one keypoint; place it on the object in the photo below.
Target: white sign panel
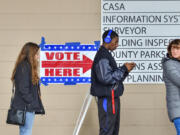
(145, 29)
(68, 63)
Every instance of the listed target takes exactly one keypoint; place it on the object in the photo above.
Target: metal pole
(82, 113)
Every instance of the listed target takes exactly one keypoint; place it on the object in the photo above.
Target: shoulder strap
(13, 89)
(13, 93)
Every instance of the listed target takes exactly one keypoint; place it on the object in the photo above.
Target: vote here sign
(69, 63)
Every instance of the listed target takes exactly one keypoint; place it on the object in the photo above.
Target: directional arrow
(86, 64)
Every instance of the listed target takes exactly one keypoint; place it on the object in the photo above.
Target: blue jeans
(177, 125)
(27, 128)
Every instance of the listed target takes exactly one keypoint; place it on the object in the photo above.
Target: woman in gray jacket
(171, 76)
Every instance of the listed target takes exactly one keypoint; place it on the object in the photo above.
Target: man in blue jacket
(107, 84)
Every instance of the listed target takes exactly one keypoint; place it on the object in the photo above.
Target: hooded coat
(171, 76)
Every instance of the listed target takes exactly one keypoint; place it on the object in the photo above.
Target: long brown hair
(28, 53)
(173, 42)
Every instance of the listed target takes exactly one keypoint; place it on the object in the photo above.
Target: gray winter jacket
(171, 76)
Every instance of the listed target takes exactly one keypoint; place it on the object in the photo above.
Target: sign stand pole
(82, 113)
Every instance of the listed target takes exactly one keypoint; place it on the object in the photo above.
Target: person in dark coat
(171, 76)
(107, 84)
(27, 90)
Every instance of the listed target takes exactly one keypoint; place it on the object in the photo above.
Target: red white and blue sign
(68, 64)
